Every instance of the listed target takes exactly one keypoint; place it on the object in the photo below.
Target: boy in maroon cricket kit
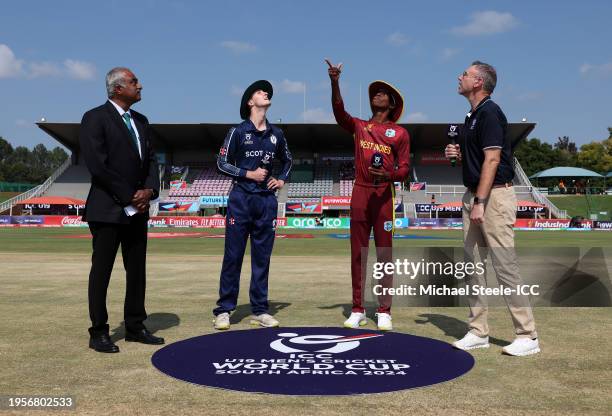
(373, 193)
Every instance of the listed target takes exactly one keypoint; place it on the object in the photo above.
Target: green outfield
(7, 195)
(580, 205)
(322, 243)
(43, 336)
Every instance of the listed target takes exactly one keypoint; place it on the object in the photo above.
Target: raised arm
(344, 119)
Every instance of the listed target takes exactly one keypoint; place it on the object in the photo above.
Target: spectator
(562, 187)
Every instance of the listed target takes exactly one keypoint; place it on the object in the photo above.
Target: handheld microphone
(377, 163)
(452, 133)
(266, 163)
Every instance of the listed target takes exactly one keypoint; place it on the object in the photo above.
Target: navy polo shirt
(485, 128)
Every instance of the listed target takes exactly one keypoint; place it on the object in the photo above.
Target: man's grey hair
(114, 78)
(488, 75)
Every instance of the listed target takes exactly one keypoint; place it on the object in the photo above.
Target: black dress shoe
(102, 343)
(143, 336)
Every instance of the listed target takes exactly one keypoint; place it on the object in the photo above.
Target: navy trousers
(254, 215)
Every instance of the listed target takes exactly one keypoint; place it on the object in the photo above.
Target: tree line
(21, 164)
(535, 155)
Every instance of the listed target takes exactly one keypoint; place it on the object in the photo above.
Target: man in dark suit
(116, 146)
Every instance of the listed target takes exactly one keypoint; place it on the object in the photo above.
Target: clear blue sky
(554, 59)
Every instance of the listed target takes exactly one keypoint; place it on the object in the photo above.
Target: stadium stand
(439, 174)
(206, 181)
(73, 182)
(303, 199)
(346, 187)
(317, 188)
(302, 173)
(313, 174)
(322, 183)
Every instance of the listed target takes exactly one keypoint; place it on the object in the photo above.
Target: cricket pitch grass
(44, 352)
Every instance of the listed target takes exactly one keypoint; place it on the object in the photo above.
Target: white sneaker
(265, 320)
(384, 322)
(522, 346)
(356, 320)
(471, 342)
(222, 321)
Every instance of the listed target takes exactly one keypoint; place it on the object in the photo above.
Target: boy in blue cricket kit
(247, 155)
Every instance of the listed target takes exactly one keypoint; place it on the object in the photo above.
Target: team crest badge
(388, 225)
(273, 139)
(390, 133)
(247, 139)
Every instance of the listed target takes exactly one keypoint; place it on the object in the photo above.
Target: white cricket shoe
(522, 346)
(471, 342)
(221, 321)
(265, 320)
(356, 320)
(384, 322)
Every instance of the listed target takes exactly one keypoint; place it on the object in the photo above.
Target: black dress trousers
(107, 237)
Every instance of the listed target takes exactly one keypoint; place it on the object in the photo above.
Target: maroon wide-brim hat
(395, 95)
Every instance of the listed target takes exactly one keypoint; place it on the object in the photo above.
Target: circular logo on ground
(312, 361)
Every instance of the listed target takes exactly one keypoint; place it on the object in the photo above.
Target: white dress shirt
(130, 209)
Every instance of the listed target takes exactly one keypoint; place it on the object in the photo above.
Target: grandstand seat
(346, 187)
(207, 182)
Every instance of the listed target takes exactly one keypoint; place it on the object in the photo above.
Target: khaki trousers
(495, 237)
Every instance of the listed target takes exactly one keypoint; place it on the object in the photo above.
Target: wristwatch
(479, 200)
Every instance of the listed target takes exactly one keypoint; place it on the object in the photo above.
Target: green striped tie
(127, 118)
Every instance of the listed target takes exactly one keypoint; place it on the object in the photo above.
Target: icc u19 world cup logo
(340, 343)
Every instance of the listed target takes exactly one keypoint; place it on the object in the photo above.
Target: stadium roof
(315, 137)
(566, 171)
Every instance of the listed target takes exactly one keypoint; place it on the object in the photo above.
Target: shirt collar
(121, 110)
(251, 127)
(480, 104)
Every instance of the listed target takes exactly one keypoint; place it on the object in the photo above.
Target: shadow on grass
(452, 327)
(242, 311)
(346, 308)
(155, 322)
